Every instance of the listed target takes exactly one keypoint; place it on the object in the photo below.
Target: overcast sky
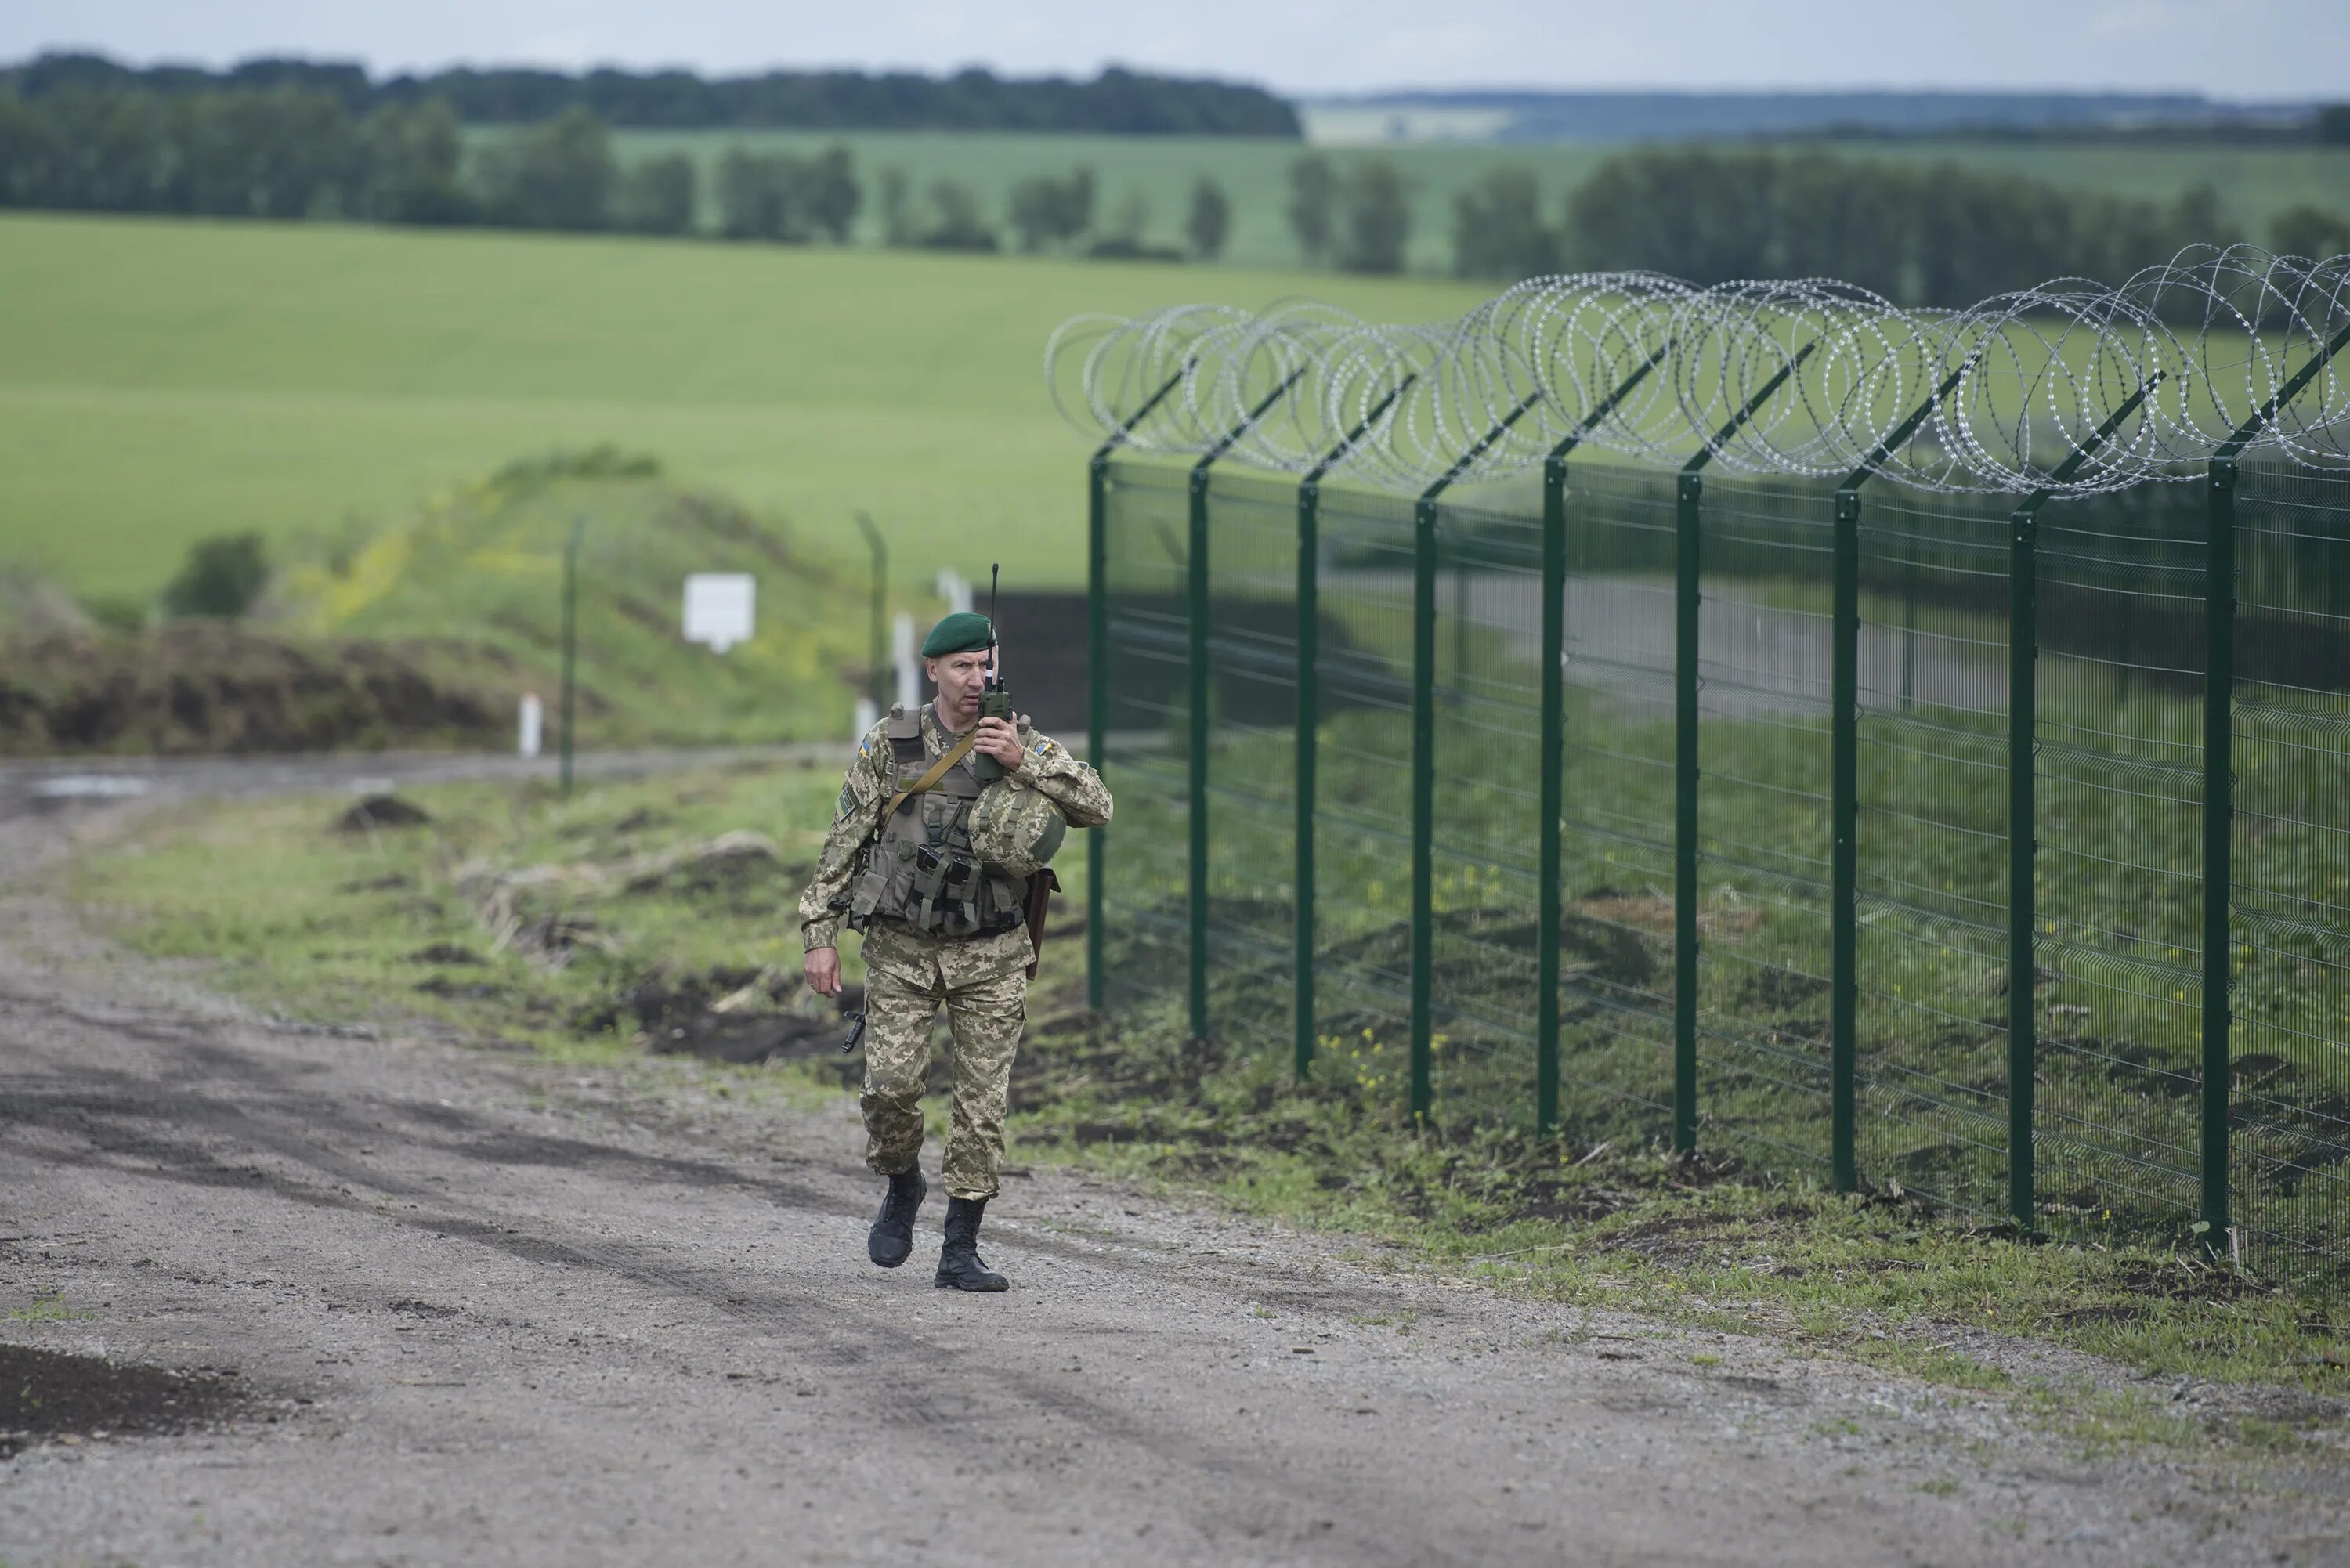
(2228, 48)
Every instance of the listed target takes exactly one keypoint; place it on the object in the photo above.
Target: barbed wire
(2020, 383)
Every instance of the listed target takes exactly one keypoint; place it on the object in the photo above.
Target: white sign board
(719, 609)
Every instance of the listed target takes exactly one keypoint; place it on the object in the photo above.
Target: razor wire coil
(2206, 341)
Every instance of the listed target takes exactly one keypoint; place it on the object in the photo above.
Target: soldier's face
(960, 677)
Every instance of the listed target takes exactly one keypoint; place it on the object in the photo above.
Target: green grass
(327, 927)
(174, 379)
(2254, 182)
(482, 568)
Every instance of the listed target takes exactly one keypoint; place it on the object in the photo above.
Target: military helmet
(1016, 827)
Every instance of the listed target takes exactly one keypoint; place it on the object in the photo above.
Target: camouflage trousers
(906, 982)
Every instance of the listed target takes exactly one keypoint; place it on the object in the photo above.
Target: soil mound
(381, 811)
(204, 687)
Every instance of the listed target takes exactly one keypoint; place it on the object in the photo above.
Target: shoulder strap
(930, 780)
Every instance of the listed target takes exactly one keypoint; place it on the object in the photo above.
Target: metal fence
(1995, 848)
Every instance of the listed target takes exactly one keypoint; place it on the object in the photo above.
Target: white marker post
(910, 674)
(532, 729)
(721, 608)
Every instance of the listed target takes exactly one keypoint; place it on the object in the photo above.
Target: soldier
(938, 872)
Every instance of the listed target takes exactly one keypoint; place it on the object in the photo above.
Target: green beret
(962, 632)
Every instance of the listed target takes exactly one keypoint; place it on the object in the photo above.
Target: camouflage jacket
(873, 779)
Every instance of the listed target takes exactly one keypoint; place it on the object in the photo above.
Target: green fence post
(1309, 722)
(1097, 668)
(2022, 907)
(1844, 899)
(1686, 605)
(2022, 695)
(570, 640)
(2219, 812)
(1197, 616)
(1309, 715)
(1844, 766)
(1423, 764)
(2219, 790)
(1554, 788)
(1688, 499)
(1554, 747)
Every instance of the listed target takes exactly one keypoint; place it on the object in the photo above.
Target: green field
(165, 379)
(2254, 182)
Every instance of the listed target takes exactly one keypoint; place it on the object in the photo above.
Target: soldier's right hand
(823, 966)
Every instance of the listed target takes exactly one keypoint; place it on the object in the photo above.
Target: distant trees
(1361, 220)
(2309, 231)
(1116, 101)
(1376, 218)
(1045, 211)
(1210, 221)
(2334, 124)
(1497, 230)
(782, 197)
(1938, 234)
(410, 157)
(1313, 206)
(289, 146)
(557, 175)
(657, 196)
(950, 220)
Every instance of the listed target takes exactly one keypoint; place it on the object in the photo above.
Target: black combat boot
(960, 1268)
(891, 1240)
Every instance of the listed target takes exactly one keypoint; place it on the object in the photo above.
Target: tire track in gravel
(544, 1319)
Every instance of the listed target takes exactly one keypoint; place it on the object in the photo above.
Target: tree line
(1938, 234)
(1116, 101)
(289, 151)
(1934, 235)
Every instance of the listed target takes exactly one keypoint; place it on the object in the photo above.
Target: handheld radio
(995, 701)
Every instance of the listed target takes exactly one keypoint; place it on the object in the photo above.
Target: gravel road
(484, 1308)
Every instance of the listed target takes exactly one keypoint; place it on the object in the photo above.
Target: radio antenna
(994, 569)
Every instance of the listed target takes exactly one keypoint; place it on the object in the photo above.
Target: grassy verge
(618, 934)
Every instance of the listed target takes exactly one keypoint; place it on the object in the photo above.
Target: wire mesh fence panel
(2290, 1105)
(2122, 634)
(1930, 1081)
(1253, 609)
(1616, 861)
(1764, 831)
(1362, 812)
(1146, 953)
(1484, 853)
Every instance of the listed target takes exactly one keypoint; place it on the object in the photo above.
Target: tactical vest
(920, 868)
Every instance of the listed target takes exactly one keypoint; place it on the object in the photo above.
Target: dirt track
(483, 1308)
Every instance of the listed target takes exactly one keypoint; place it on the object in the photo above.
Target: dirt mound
(381, 811)
(204, 687)
(741, 1015)
(53, 1393)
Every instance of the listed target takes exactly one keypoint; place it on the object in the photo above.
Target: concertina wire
(2019, 383)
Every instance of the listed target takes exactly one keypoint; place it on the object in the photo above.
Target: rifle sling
(930, 780)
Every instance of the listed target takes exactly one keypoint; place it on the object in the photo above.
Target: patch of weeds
(47, 1309)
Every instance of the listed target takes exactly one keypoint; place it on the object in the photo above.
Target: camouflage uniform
(909, 974)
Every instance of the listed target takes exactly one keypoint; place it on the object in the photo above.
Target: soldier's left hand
(1000, 739)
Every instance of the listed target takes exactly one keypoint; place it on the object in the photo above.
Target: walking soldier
(946, 877)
